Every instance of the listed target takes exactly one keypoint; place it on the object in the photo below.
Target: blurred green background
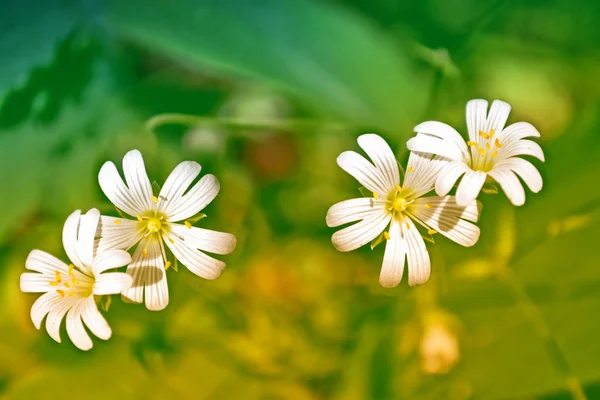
(270, 93)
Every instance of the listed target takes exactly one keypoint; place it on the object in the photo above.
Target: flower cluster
(439, 157)
(96, 244)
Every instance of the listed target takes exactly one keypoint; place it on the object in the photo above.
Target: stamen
(492, 131)
(71, 268)
(398, 188)
(487, 146)
(386, 235)
(375, 196)
(139, 217)
(53, 283)
(57, 276)
(61, 292)
(482, 152)
(67, 285)
(171, 240)
(71, 293)
(428, 205)
(155, 199)
(74, 281)
(145, 252)
(484, 135)
(189, 226)
(167, 265)
(472, 144)
(411, 169)
(407, 225)
(497, 143)
(494, 153)
(117, 222)
(431, 231)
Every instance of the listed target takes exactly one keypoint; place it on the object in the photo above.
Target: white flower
(398, 207)
(70, 289)
(154, 223)
(493, 151)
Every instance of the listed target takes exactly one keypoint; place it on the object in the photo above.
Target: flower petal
(421, 173)
(469, 187)
(56, 315)
(88, 224)
(110, 259)
(40, 261)
(525, 170)
(177, 184)
(353, 210)
(69, 237)
(117, 233)
(517, 131)
(205, 239)
(393, 258)
(361, 233)
(137, 180)
(382, 156)
(95, 322)
(476, 118)
(42, 306)
(194, 201)
(448, 218)
(522, 147)
(446, 133)
(112, 283)
(196, 261)
(114, 188)
(510, 184)
(75, 329)
(448, 176)
(149, 276)
(364, 172)
(36, 283)
(498, 115)
(419, 265)
(429, 144)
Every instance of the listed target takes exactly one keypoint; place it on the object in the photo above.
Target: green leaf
(155, 188)
(105, 302)
(328, 57)
(365, 192)
(196, 218)
(377, 240)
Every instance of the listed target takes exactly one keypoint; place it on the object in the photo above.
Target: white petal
(194, 201)
(112, 283)
(476, 118)
(137, 180)
(196, 261)
(148, 272)
(433, 145)
(40, 261)
(110, 259)
(114, 188)
(498, 115)
(42, 306)
(88, 224)
(94, 320)
(517, 131)
(448, 176)
(525, 170)
(353, 210)
(364, 172)
(469, 187)
(36, 283)
(419, 265)
(421, 173)
(448, 218)
(177, 184)
(361, 233)
(510, 184)
(522, 147)
(117, 233)
(56, 315)
(445, 132)
(382, 156)
(75, 329)
(205, 239)
(69, 237)
(393, 258)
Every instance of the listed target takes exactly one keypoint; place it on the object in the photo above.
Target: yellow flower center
(399, 203)
(68, 285)
(151, 222)
(484, 151)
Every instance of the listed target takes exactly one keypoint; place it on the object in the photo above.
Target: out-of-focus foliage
(265, 95)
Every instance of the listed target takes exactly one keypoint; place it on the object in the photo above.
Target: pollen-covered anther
(497, 143)
(145, 252)
(487, 146)
(57, 277)
(188, 224)
(494, 153)
(481, 151)
(171, 240)
(431, 231)
(472, 144)
(60, 292)
(71, 268)
(139, 217)
(386, 235)
(167, 265)
(411, 169)
(155, 199)
(407, 225)
(375, 196)
(117, 222)
(484, 135)
(428, 205)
